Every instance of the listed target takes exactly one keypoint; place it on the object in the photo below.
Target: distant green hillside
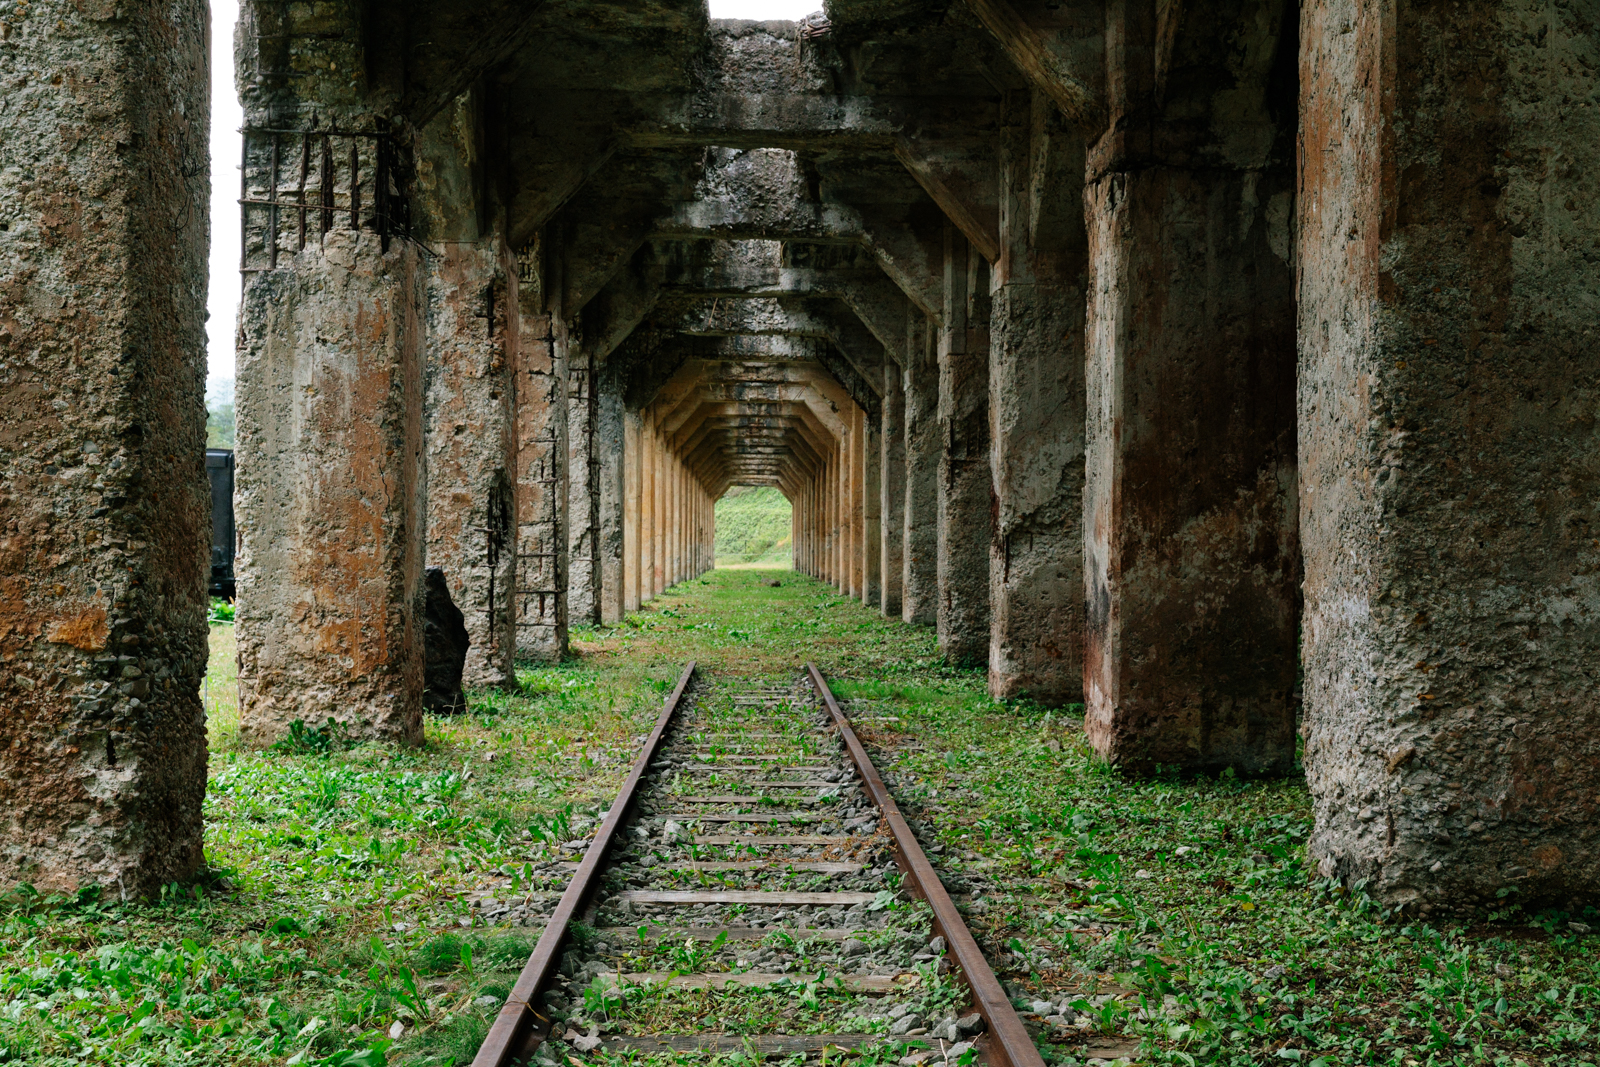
(753, 527)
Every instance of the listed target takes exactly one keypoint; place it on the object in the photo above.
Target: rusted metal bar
(355, 184)
(508, 1037)
(325, 192)
(1009, 1044)
(272, 212)
(300, 188)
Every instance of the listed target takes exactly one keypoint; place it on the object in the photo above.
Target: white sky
(227, 117)
(762, 10)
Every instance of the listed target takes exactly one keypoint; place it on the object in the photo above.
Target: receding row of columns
(668, 521)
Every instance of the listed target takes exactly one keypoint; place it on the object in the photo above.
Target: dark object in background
(219, 469)
(444, 635)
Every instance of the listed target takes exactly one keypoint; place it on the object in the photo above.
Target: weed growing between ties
(337, 924)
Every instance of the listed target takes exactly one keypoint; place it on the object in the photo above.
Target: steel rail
(511, 1039)
(1009, 1044)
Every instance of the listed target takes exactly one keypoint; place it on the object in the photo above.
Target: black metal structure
(219, 468)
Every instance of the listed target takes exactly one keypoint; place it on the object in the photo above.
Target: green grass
(753, 527)
(339, 881)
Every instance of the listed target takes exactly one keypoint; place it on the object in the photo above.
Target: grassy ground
(753, 527)
(336, 924)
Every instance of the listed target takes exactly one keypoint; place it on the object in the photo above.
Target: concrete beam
(1059, 48)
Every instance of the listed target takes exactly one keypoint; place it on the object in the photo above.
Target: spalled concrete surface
(965, 492)
(541, 605)
(103, 499)
(920, 574)
(1448, 449)
(473, 331)
(1192, 557)
(1036, 404)
(329, 495)
(892, 485)
(471, 448)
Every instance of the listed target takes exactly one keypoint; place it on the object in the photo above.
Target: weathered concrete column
(583, 489)
(663, 517)
(1036, 403)
(542, 473)
(871, 515)
(891, 481)
(647, 507)
(675, 522)
(852, 506)
(1449, 451)
(858, 504)
(920, 576)
(610, 468)
(1193, 558)
(472, 325)
(841, 514)
(631, 516)
(964, 480)
(830, 518)
(103, 510)
(329, 498)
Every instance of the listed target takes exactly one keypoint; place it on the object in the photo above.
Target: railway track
(754, 888)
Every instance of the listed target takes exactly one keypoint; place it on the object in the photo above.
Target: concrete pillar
(631, 516)
(872, 515)
(675, 524)
(610, 470)
(1192, 553)
(542, 473)
(891, 480)
(658, 544)
(858, 504)
(964, 481)
(1449, 451)
(471, 444)
(920, 576)
(103, 514)
(1036, 403)
(842, 514)
(647, 507)
(583, 513)
(329, 501)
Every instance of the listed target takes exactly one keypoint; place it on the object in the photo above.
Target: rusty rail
(513, 1037)
(1009, 1044)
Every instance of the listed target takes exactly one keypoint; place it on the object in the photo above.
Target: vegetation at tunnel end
(338, 922)
(753, 526)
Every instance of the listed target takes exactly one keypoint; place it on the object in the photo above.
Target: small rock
(936, 946)
(1579, 928)
(896, 1010)
(905, 1024)
(1276, 971)
(1143, 874)
(853, 947)
(1042, 1007)
(396, 1029)
(1184, 850)
(953, 1054)
(972, 1024)
(1503, 971)
(489, 757)
(485, 1001)
(916, 1031)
